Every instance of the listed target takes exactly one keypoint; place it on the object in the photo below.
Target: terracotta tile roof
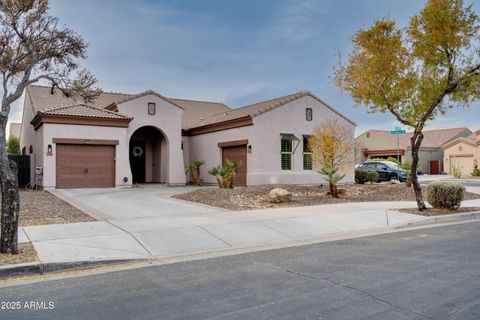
(41, 98)
(196, 111)
(256, 109)
(82, 110)
(432, 138)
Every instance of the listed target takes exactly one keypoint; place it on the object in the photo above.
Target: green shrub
(407, 166)
(456, 171)
(225, 176)
(392, 159)
(445, 195)
(13, 145)
(476, 170)
(372, 176)
(361, 175)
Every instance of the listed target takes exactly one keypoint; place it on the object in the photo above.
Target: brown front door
(85, 166)
(434, 167)
(233, 154)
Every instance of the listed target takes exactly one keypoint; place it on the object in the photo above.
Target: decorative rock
(394, 181)
(279, 195)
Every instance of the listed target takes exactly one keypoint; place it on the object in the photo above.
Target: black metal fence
(23, 164)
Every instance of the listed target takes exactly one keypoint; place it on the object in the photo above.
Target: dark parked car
(386, 170)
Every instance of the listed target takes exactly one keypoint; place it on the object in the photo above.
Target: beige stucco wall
(205, 147)
(466, 151)
(168, 120)
(30, 137)
(289, 118)
(186, 150)
(371, 142)
(50, 131)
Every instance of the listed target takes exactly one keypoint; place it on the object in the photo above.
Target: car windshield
(391, 165)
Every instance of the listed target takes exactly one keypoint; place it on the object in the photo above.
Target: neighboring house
(122, 139)
(381, 144)
(463, 153)
(15, 130)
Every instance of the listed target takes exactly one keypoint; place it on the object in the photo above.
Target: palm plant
(196, 164)
(189, 170)
(332, 177)
(224, 173)
(232, 167)
(215, 171)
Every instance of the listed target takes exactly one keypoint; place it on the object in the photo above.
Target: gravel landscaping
(27, 254)
(41, 207)
(255, 197)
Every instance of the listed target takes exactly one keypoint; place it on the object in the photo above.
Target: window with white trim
(307, 154)
(286, 153)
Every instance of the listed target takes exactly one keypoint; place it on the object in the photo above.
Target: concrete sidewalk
(156, 226)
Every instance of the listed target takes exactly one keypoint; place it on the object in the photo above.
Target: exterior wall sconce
(249, 148)
(49, 150)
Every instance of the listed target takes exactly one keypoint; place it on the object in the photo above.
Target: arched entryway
(148, 156)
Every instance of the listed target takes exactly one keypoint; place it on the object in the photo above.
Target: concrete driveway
(146, 223)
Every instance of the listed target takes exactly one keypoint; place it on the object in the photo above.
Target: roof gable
(467, 140)
(259, 108)
(146, 93)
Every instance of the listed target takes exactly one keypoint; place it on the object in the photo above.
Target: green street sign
(398, 132)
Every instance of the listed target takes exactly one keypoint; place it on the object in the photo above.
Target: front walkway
(146, 223)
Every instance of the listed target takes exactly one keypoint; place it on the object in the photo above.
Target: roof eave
(219, 126)
(41, 119)
(458, 140)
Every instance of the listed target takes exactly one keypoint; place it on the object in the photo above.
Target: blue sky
(234, 51)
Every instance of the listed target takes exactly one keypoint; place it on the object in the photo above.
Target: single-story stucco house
(122, 139)
(381, 144)
(463, 153)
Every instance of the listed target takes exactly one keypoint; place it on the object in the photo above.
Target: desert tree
(418, 72)
(33, 47)
(332, 147)
(13, 145)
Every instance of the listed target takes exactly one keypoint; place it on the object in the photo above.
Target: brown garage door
(85, 166)
(233, 154)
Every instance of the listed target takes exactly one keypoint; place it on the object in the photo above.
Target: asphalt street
(423, 274)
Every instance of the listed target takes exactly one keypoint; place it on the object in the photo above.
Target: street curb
(38, 268)
(464, 216)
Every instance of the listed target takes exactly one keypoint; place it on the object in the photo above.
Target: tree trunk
(333, 190)
(10, 198)
(198, 175)
(416, 141)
